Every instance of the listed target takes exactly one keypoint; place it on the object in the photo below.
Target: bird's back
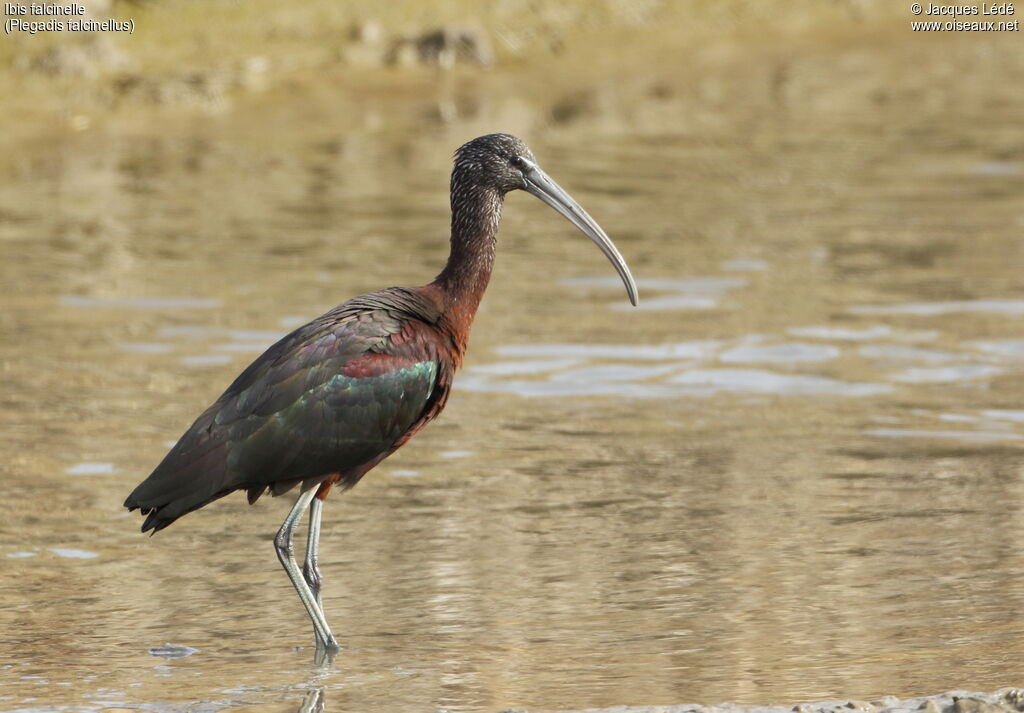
(335, 396)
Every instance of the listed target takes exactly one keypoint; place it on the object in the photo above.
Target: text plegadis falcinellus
(337, 396)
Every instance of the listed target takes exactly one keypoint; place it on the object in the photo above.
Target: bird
(333, 398)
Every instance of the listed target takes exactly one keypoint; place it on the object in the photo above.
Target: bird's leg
(311, 568)
(285, 553)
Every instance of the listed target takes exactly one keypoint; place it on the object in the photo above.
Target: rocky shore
(1005, 700)
(197, 57)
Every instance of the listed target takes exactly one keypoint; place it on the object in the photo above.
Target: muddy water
(793, 473)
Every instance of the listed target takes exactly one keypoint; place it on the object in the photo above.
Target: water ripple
(1006, 348)
(140, 302)
(698, 349)
(768, 382)
(91, 469)
(841, 333)
(779, 353)
(945, 374)
(931, 309)
(902, 353)
(960, 435)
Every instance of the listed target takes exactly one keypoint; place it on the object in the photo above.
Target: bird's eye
(519, 162)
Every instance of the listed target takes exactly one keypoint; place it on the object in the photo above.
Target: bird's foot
(326, 650)
(324, 657)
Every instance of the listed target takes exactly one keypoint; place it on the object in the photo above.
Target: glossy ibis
(337, 396)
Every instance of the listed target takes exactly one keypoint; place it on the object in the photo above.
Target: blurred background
(793, 473)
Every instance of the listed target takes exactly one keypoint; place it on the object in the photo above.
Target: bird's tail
(181, 483)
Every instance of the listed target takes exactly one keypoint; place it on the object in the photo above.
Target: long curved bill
(538, 183)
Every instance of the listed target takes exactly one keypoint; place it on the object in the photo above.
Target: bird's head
(494, 161)
(503, 163)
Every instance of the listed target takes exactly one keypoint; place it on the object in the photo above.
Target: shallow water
(794, 473)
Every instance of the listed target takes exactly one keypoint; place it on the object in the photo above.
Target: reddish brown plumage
(325, 487)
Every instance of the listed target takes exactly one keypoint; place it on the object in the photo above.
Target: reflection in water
(139, 302)
(314, 702)
(877, 331)
(145, 347)
(1002, 414)
(778, 353)
(744, 265)
(685, 293)
(91, 469)
(796, 474)
(766, 382)
(526, 366)
(173, 651)
(932, 309)
(956, 435)
(685, 350)
(72, 553)
(899, 352)
(612, 372)
(1004, 348)
(946, 374)
(206, 359)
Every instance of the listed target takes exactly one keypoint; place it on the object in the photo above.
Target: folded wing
(335, 396)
